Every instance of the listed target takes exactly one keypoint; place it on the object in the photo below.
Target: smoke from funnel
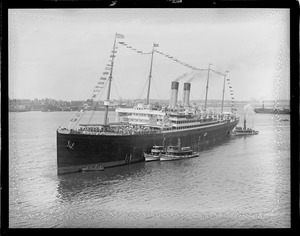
(181, 77)
(248, 108)
(185, 76)
(193, 76)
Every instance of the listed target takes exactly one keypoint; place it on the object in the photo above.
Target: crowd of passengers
(121, 130)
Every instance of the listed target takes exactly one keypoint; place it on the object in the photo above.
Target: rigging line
(220, 100)
(180, 62)
(117, 62)
(99, 94)
(118, 66)
(217, 72)
(145, 83)
(102, 71)
(166, 94)
(72, 116)
(67, 119)
(90, 91)
(156, 88)
(212, 102)
(116, 89)
(226, 98)
(89, 121)
(102, 90)
(202, 97)
(133, 49)
(79, 119)
(93, 100)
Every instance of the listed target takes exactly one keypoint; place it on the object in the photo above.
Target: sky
(62, 53)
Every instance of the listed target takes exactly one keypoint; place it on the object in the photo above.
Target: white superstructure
(167, 119)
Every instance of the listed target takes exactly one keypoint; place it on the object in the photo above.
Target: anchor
(69, 145)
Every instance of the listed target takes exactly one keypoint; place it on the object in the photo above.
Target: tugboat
(178, 153)
(244, 130)
(155, 154)
(274, 110)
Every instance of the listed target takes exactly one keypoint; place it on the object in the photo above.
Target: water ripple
(243, 183)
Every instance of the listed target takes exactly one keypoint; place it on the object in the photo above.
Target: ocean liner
(138, 129)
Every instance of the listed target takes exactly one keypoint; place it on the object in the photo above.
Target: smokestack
(174, 94)
(245, 122)
(186, 93)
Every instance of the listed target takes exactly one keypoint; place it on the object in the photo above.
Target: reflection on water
(103, 183)
(241, 182)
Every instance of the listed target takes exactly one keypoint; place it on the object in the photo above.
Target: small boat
(92, 168)
(244, 130)
(178, 153)
(155, 154)
(241, 131)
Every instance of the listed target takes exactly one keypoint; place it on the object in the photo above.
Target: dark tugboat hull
(78, 151)
(271, 111)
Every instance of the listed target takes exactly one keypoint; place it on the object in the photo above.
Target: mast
(150, 74)
(207, 85)
(106, 102)
(223, 91)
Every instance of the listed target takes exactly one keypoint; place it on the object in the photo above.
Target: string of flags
(108, 67)
(230, 87)
(166, 55)
(134, 49)
(219, 73)
(231, 92)
(102, 81)
(195, 68)
(107, 70)
(180, 62)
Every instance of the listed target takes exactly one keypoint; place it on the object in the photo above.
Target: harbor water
(241, 183)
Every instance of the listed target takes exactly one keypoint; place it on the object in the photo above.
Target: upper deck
(165, 118)
(146, 119)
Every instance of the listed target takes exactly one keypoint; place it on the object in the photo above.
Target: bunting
(104, 78)
(134, 49)
(219, 73)
(231, 94)
(178, 61)
(105, 74)
(166, 55)
(195, 68)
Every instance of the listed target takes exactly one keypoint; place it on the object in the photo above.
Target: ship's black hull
(77, 151)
